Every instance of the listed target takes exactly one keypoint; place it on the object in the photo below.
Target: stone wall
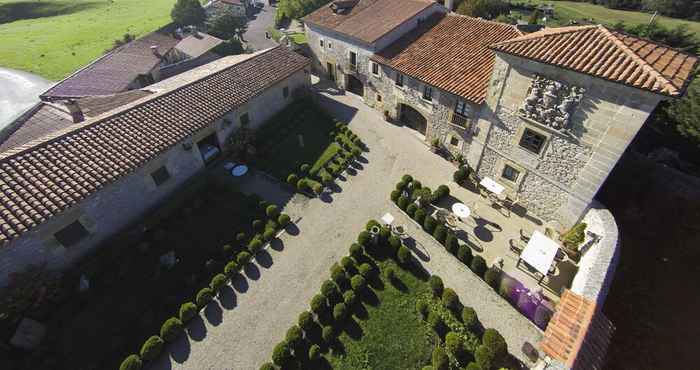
(561, 181)
(127, 199)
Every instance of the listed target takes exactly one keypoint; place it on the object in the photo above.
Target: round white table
(239, 170)
(461, 210)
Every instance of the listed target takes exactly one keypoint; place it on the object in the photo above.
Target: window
(399, 80)
(320, 42)
(160, 175)
(532, 141)
(353, 58)
(454, 141)
(379, 98)
(285, 92)
(330, 46)
(461, 108)
(427, 93)
(71, 234)
(510, 173)
(375, 69)
(245, 119)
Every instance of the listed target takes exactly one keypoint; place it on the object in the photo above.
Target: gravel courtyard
(240, 330)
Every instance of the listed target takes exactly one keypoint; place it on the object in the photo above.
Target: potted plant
(434, 145)
(387, 117)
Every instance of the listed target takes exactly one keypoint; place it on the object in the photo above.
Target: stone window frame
(378, 98)
(320, 43)
(427, 93)
(373, 66)
(463, 111)
(329, 45)
(453, 137)
(535, 128)
(399, 80)
(244, 119)
(71, 241)
(352, 53)
(161, 175)
(501, 166)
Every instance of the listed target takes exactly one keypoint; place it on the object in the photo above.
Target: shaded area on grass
(10, 12)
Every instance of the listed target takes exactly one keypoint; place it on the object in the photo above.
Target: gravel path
(241, 330)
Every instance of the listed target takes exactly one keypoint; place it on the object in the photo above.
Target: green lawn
(564, 11)
(54, 38)
(298, 37)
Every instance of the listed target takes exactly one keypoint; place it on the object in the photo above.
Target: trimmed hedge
(151, 348)
(411, 210)
(452, 243)
(218, 282)
(231, 269)
(292, 179)
(436, 285)
(281, 355)
(450, 299)
(318, 304)
(394, 196)
(478, 265)
(365, 270)
(440, 234)
(187, 312)
(358, 283)
(419, 216)
(306, 321)
(440, 360)
(267, 366)
(294, 337)
(363, 238)
(423, 309)
(132, 362)
(454, 344)
(204, 296)
(429, 224)
(272, 211)
(339, 312)
(283, 220)
(314, 352)
(350, 298)
(464, 254)
(492, 277)
(495, 342)
(347, 263)
(470, 319)
(328, 334)
(243, 258)
(403, 202)
(404, 255)
(356, 251)
(484, 357)
(171, 329)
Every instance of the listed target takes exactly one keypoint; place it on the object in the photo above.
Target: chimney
(154, 50)
(450, 4)
(75, 112)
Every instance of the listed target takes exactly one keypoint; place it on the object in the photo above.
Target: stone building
(547, 115)
(66, 192)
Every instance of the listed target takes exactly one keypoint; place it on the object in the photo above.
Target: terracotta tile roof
(93, 106)
(608, 54)
(41, 179)
(197, 44)
(578, 334)
(114, 71)
(367, 20)
(39, 121)
(449, 52)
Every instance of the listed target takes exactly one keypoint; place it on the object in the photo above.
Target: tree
(227, 25)
(534, 17)
(229, 47)
(488, 9)
(187, 12)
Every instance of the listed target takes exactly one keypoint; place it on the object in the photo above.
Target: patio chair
(560, 256)
(510, 202)
(525, 236)
(516, 246)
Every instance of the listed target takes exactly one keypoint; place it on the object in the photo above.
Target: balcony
(459, 120)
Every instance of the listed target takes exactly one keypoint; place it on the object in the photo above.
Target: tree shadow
(196, 329)
(326, 197)
(264, 259)
(375, 280)
(370, 297)
(419, 250)
(357, 165)
(398, 284)
(227, 298)
(39, 9)
(214, 313)
(180, 349)
(362, 158)
(291, 229)
(251, 271)
(342, 178)
(337, 347)
(277, 245)
(351, 171)
(360, 311)
(240, 283)
(335, 188)
(353, 329)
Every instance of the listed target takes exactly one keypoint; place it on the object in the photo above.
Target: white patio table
(492, 186)
(539, 253)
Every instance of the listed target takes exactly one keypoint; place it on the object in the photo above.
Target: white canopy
(540, 252)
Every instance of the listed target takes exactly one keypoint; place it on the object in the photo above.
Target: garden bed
(382, 310)
(130, 293)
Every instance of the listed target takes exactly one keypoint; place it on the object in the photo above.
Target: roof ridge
(546, 32)
(94, 121)
(506, 25)
(643, 63)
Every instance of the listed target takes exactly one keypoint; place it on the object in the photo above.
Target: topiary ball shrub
(464, 254)
(204, 296)
(429, 224)
(436, 322)
(484, 357)
(452, 243)
(472, 366)
(304, 168)
(338, 274)
(401, 185)
(227, 250)
(454, 344)
(394, 244)
(441, 192)
(423, 309)
(394, 196)
(258, 225)
(171, 329)
(151, 348)
(419, 216)
(365, 270)
(294, 337)
(243, 258)
(415, 185)
(328, 334)
(404, 255)
(272, 211)
(317, 188)
(411, 210)
(302, 185)
(492, 277)
(406, 178)
(356, 251)
(371, 224)
(218, 282)
(478, 265)
(460, 175)
(390, 274)
(281, 355)
(363, 238)
(231, 269)
(436, 285)
(306, 321)
(241, 237)
(440, 234)
(440, 360)
(283, 220)
(495, 342)
(358, 283)
(256, 244)
(347, 263)
(328, 289)
(469, 319)
(403, 202)
(314, 353)
(318, 304)
(384, 234)
(339, 312)
(267, 366)
(292, 179)
(132, 362)
(187, 312)
(450, 299)
(507, 290)
(350, 298)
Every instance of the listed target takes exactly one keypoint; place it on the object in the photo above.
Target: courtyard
(266, 304)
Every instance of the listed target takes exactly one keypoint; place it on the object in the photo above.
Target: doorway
(412, 118)
(355, 86)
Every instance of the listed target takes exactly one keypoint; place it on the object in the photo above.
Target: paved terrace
(240, 330)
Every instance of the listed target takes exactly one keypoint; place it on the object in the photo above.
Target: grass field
(565, 11)
(54, 38)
